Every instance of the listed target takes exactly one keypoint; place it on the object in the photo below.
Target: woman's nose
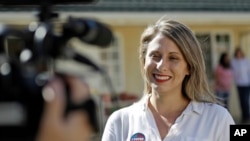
(162, 65)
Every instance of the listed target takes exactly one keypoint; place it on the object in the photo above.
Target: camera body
(25, 72)
(21, 107)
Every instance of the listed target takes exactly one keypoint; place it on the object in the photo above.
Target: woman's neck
(167, 105)
(166, 109)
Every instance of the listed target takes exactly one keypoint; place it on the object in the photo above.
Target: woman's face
(165, 66)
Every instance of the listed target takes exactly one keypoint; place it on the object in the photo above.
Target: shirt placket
(153, 133)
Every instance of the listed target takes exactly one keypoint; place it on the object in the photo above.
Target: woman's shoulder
(215, 110)
(209, 108)
(214, 107)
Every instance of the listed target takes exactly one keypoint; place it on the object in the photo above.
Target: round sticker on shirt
(138, 137)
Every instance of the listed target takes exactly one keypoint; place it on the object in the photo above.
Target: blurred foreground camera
(25, 71)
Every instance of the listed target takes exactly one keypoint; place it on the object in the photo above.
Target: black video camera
(25, 71)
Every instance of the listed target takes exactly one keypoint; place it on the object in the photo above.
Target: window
(221, 44)
(205, 42)
(213, 44)
(111, 59)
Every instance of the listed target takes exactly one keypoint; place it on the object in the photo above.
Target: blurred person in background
(223, 79)
(241, 72)
(177, 103)
(54, 126)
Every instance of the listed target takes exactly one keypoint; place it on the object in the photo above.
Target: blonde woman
(177, 104)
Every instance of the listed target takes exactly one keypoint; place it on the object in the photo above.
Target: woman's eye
(173, 58)
(155, 56)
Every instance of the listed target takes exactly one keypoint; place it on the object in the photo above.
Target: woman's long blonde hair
(195, 86)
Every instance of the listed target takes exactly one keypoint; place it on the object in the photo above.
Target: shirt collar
(193, 106)
(144, 101)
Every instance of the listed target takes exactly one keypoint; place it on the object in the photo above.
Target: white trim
(187, 17)
(120, 41)
(212, 34)
(138, 18)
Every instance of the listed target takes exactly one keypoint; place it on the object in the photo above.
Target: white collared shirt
(198, 122)
(241, 71)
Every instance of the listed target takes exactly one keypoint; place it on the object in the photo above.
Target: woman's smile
(161, 78)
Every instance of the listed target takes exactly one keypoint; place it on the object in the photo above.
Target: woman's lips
(161, 78)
